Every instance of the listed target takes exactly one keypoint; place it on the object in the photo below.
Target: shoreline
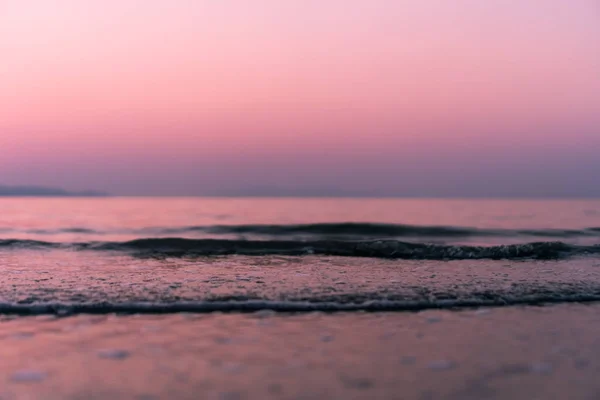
(290, 307)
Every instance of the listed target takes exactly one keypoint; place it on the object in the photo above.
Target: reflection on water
(119, 219)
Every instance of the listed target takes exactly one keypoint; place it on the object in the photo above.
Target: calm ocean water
(479, 222)
(168, 254)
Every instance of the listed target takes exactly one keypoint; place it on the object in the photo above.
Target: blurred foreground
(501, 353)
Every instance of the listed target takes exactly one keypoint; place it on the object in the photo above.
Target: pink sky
(194, 96)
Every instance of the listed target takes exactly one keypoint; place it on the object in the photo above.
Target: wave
(180, 247)
(254, 305)
(332, 230)
(376, 230)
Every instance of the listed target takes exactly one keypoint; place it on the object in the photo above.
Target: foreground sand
(548, 352)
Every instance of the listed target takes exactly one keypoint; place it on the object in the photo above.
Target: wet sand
(71, 281)
(550, 352)
(440, 352)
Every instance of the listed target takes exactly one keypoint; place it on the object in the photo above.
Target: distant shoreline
(8, 196)
(40, 191)
(7, 191)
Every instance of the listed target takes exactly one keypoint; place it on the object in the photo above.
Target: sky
(377, 97)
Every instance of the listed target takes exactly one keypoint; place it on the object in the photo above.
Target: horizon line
(371, 197)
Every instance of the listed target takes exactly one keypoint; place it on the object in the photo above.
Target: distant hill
(45, 191)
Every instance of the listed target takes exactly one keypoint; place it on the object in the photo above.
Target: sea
(161, 255)
(299, 298)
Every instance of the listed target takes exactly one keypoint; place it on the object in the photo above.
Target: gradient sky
(410, 97)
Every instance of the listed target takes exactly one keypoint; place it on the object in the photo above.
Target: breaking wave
(381, 230)
(252, 305)
(180, 247)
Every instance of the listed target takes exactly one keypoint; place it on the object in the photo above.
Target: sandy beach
(488, 353)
